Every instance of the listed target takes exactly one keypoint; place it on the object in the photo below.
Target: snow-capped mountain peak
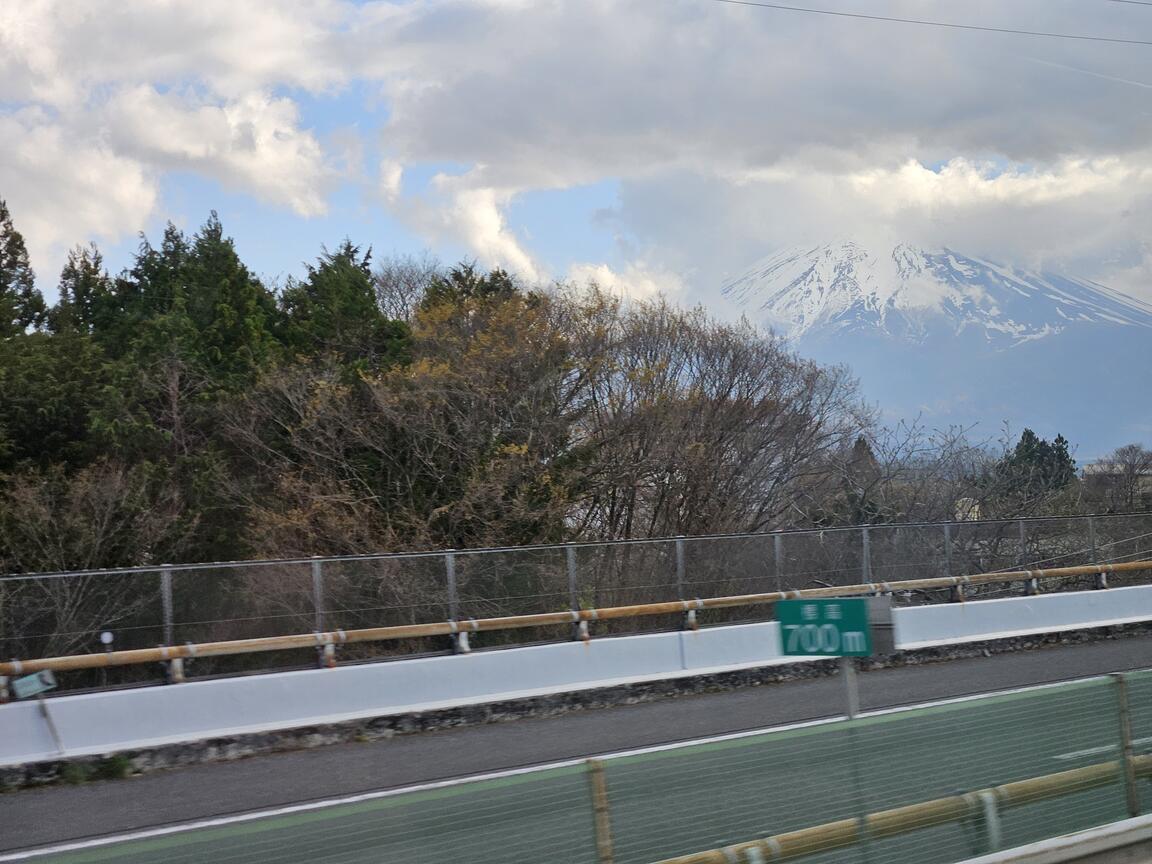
(907, 292)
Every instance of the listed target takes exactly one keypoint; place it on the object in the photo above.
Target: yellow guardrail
(984, 803)
(328, 640)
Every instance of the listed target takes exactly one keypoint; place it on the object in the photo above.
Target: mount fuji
(962, 340)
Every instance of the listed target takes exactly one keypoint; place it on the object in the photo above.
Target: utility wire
(925, 23)
(1133, 2)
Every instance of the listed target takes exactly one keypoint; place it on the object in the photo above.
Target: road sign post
(833, 628)
(34, 684)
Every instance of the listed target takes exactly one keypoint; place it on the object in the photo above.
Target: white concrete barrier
(952, 623)
(96, 723)
(1124, 841)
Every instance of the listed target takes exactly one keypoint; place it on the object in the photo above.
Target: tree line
(183, 410)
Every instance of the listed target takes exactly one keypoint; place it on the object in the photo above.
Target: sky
(653, 145)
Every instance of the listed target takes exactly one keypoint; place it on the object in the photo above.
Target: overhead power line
(926, 23)
(1133, 2)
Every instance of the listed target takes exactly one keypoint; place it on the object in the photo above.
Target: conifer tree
(21, 305)
(334, 312)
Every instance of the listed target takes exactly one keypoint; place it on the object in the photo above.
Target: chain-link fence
(66, 613)
(929, 785)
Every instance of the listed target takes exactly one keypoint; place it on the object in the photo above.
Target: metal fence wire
(66, 613)
(933, 784)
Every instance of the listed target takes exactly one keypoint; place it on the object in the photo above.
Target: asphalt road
(662, 804)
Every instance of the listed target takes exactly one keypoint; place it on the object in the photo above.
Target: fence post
(1101, 577)
(600, 811)
(778, 556)
(679, 568)
(166, 603)
(459, 645)
(948, 549)
(318, 592)
(322, 658)
(1131, 792)
(866, 565)
(573, 589)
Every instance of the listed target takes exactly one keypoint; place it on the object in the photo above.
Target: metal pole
(852, 694)
(453, 598)
(600, 811)
(52, 730)
(459, 641)
(1022, 560)
(166, 603)
(866, 567)
(679, 568)
(1101, 577)
(318, 594)
(851, 688)
(948, 549)
(1127, 764)
(573, 588)
(778, 555)
(991, 820)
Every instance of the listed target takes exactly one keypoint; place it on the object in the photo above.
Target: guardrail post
(166, 603)
(1127, 763)
(4, 694)
(778, 557)
(991, 812)
(866, 555)
(601, 813)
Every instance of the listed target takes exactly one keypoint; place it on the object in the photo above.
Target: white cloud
(391, 180)
(636, 280)
(64, 189)
(464, 209)
(731, 129)
(254, 142)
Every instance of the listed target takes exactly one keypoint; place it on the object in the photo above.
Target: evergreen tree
(229, 307)
(1035, 467)
(85, 293)
(463, 283)
(334, 312)
(21, 305)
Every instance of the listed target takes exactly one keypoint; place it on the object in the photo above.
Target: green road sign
(831, 628)
(33, 685)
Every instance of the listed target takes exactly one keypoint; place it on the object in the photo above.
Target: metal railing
(59, 614)
(460, 630)
(930, 784)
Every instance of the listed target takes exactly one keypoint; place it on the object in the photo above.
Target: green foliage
(49, 388)
(334, 312)
(1035, 467)
(21, 305)
(463, 283)
(85, 291)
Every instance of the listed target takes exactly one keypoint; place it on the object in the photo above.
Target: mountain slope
(961, 341)
(912, 294)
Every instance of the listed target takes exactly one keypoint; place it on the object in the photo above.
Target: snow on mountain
(908, 293)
